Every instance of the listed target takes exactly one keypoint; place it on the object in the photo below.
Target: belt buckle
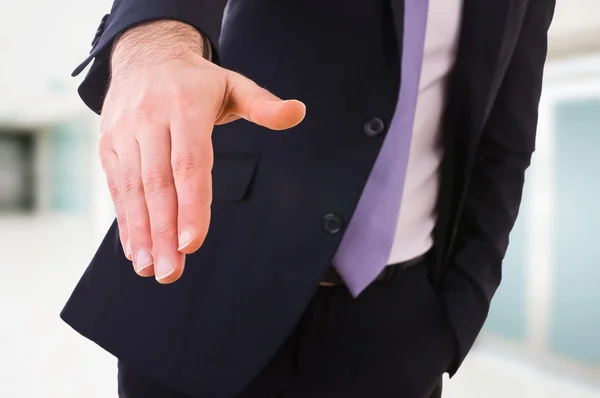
(327, 284)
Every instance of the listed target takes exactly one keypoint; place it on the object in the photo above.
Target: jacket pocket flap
(232, 175)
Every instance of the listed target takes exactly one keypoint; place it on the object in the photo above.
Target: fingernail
(163, 268)
(143, 260)
(185, 238)
(128, 251)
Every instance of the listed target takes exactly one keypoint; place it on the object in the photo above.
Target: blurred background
(542, 338)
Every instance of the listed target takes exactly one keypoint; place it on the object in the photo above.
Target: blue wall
(575, 323)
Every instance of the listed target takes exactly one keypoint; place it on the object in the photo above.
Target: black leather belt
(332, 278)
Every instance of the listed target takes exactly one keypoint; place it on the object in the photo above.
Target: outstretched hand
(156, 150)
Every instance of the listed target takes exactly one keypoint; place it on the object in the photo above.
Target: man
(353, 255)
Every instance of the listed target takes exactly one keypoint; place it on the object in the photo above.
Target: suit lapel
(397, 7)
(486, 41)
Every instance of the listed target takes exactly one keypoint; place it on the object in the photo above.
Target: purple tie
(367, 243)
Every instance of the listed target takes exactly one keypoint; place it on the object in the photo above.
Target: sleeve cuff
(204, 15)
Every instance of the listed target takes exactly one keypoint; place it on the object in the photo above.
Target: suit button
(374, 127)
(333, 223)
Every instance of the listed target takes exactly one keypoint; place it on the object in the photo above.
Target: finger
(110, 165)
(259, 106)
(192, 159)
(132, 192)
(161, 201)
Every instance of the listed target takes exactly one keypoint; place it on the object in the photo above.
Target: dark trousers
(392, 341)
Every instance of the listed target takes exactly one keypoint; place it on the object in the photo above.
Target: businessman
(339, 179)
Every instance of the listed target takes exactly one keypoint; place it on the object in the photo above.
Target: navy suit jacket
(242, 293)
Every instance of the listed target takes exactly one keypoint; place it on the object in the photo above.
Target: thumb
(259, 106)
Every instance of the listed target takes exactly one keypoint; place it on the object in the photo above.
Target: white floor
(40, 357)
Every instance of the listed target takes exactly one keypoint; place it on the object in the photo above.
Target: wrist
(157, 41)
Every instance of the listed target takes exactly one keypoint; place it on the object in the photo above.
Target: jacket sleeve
(495, 189)
(204, 15)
